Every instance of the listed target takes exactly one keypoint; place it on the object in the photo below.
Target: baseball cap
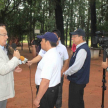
(79, 32)
(49, 36)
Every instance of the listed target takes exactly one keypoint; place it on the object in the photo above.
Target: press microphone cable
(24, 60)
(31, 86)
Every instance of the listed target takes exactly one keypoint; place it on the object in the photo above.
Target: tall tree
(59, 18)
(93, 21)
(8, 6)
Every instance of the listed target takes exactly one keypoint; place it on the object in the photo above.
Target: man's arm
(79, 61)
(34, 60)
(34, 51)
(42, 89)
(65, 61)
(6, 67)
(37, 58)
(65, 66)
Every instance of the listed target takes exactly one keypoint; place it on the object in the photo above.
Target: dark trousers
(49, 98)
(76, 92)
(59, 98)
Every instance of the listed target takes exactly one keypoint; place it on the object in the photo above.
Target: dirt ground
(23, 92)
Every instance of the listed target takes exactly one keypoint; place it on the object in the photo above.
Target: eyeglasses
(3, 34)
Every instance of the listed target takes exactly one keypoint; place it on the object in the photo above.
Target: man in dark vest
(79, 68)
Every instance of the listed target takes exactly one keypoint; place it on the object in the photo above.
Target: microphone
(14, 46)
(23, 59)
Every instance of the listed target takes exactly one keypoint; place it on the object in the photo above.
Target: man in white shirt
(47, 77)
(61, 49)
(6, 70)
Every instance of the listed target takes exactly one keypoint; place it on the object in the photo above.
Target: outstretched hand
(29, 63)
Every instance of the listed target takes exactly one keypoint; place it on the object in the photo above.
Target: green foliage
(23, 16)
(2, 5)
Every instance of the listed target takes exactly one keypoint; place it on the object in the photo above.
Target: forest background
(24, 17)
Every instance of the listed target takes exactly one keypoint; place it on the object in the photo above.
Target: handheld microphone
(23, 59)
(14, 46)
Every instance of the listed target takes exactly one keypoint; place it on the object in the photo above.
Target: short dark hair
(53, 44)
(57, 32)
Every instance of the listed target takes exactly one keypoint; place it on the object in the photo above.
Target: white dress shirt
(2, 47)
(79, 61)
(49, 68)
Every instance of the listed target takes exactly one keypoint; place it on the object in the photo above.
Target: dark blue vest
(82, 76)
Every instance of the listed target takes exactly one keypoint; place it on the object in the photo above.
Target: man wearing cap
(61, 49)
(47, 77)
(79, 68)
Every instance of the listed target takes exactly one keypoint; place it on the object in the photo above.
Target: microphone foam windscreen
(22, 58)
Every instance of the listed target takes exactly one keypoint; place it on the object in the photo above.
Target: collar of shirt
(50, 50)
(59, 43)
(80, 44)
(2, 47)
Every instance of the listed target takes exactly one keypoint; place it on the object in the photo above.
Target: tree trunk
(93, 21)
(66, 31)
(87, 28)
(59, 19)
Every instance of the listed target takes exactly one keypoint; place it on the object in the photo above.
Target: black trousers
(59, 98)
(49, 98)
(76, 92)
